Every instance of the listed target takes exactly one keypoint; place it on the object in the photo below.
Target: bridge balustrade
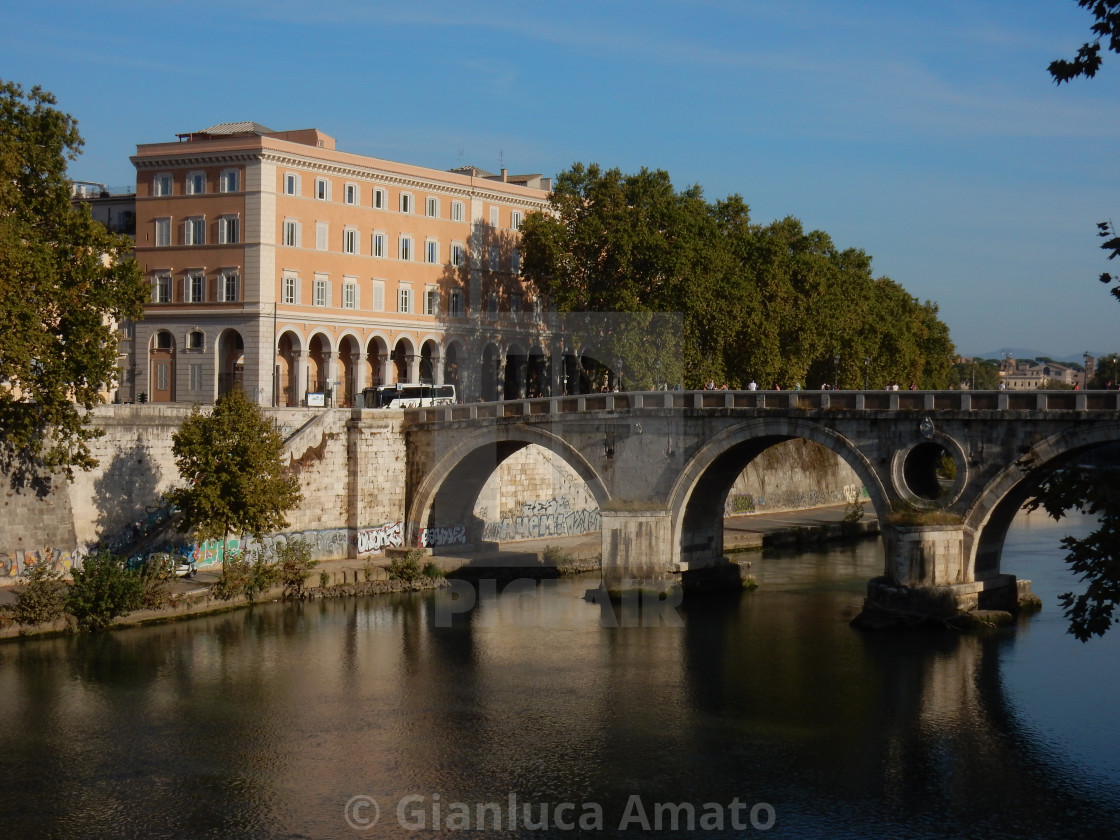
(781, 400)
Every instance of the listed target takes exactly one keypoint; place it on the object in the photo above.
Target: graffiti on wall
(374, 540)
(446, 535)
(18, 563)
(551, 518)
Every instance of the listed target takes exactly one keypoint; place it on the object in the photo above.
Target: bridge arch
(447, 494)
(988, 519)
(696, 501)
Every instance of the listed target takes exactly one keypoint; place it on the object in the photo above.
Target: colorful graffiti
(19, 562)
(740, 505)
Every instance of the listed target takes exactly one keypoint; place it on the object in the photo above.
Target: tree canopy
(773, 304)
(231, 461)
(1088, 58)
(65, 284)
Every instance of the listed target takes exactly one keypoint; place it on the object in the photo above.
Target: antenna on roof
(460, 157)
(501, 159)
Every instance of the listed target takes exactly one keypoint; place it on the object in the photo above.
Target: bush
(407, 567)
(103, 589)
(156, 572)
(295, 564)
(431, 570)
(40, 598)
(242, 577)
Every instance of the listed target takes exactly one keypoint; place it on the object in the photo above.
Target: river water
(761, 714)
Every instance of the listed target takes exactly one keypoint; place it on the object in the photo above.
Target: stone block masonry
(353, 471)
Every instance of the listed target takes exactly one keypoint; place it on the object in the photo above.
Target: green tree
(774, 303)
(103, 589)
(236, 480)
(65, 284)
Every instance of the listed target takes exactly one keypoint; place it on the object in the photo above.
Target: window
(492, 304)
(230, 180)
(350, 295)
(455, 305)
(196, 183)
(291, 233)
(322, 233)
(229, 230)
(458, 253)
(195, 377)
(322, 292)
(515, 303)
(404, 299)
(195, 288)
(163, 382)
(431, 251)
(380, 201)
(228, 286)
(406, 203)
(195, 340)
(495, 257)
(290, 292)
(194, 231)
(350, 194)
(164, 341)
(515, 220)
(163, 232)
(378, 248)
(431, 207)
(515, 261)
(161, 288)
(493, 217)
(350, 241)
(456, 211)
(405, 248)
(291, 184)
(161, 184)
(431, 301)
(378, 295)
(322, 189)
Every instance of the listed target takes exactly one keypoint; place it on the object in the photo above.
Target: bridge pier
(638, 553)
(928, 580)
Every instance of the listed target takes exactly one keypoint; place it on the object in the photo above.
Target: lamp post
(836, 371)
(866, 371)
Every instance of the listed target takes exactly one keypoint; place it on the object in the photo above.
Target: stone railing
(781, 400)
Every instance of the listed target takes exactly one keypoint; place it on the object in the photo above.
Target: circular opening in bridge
(929, 471)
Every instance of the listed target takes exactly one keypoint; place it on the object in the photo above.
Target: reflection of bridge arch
(447, 494)
(696, 501)
(991, 515)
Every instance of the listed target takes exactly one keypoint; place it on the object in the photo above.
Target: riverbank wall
(352, 468)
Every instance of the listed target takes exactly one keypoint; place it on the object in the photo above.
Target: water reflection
(263, 723)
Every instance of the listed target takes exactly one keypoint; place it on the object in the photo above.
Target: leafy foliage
(1096, 558)
(65, 283)
(408, 567)
(773, 303)
(236, 479)
(40, 598)
(295, 566)
(241, 576)
(1088, 59)
(103, 589)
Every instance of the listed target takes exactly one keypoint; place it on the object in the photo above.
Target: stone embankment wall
(353, 476)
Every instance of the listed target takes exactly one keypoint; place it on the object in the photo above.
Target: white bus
(408, 395)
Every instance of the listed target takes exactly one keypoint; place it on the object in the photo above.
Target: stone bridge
(946, 471)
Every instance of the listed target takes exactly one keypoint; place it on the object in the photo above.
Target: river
(760, 714)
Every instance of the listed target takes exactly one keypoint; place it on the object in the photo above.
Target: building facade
(297, 272)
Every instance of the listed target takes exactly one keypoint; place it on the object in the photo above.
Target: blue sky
(927, 134)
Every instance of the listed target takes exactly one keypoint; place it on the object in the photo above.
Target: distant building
(114, 207)
(1034, 376)
(285, 267)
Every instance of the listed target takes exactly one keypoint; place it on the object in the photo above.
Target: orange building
(285, 267)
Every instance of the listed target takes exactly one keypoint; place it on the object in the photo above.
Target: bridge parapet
(864, 401)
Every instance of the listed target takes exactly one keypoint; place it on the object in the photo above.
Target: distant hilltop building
(285, 267)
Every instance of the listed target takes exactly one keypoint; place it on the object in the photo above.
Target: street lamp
(866, 371)
(836, 371)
